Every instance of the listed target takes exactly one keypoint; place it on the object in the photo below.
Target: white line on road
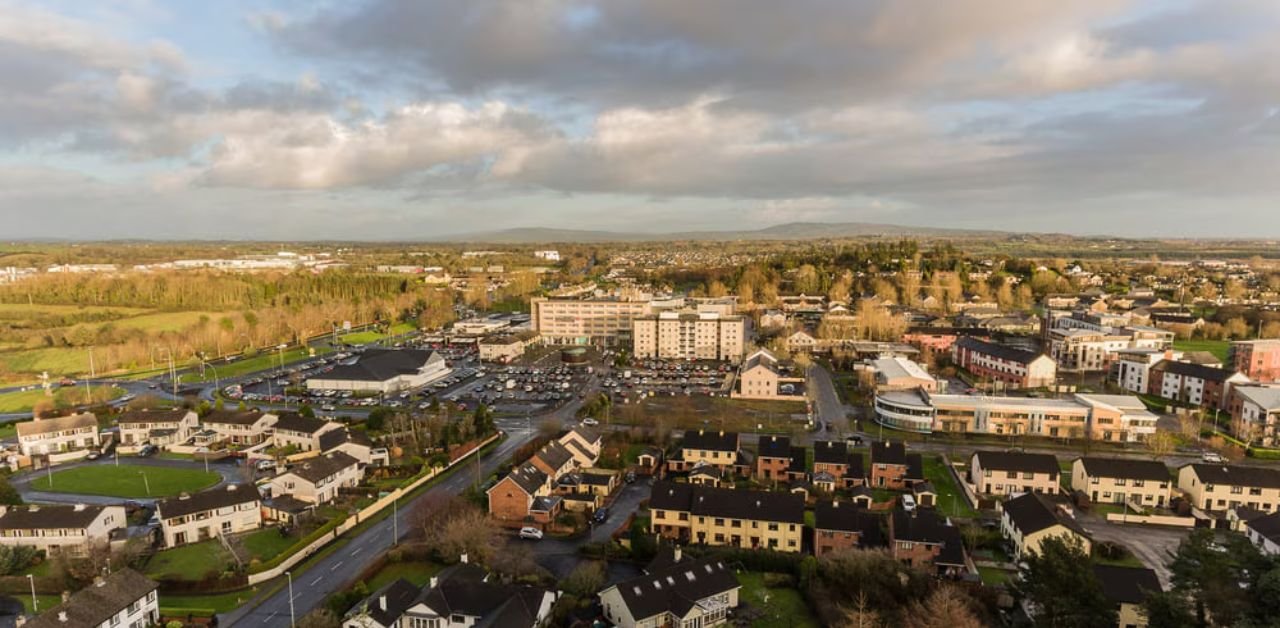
(335, 567)
(269, 617)
(357, 551)
(318, 578)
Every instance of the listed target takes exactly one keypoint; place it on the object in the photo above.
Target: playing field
(23, 401)
(126, 480)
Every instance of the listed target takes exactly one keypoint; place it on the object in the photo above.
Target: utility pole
(88, 382)
(292, 620)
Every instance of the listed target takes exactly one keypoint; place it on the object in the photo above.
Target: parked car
(600, 516)
(266, 465)
(147, 450)
(1212, 457)
(93, 455)
(908, 503)
(590, 422)
(533, 534)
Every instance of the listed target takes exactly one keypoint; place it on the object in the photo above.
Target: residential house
(191, 518)
(243, 428)
(838, 526)
(719, 449)
(554, 459)
(75, 530)
(464, 596)
(687, 593)
(1219, 487)
(927, 540)
(801, 342)
(773, 457)
(1119, 480)
(1028, 520)
(300, 433)
(727, 517)
(834, 459)
(1011, 473)
(584, 443)
(44, 436)
(893, 468)
(318, 480)
(1015, 368)
(1264, 533)
(384, 607)
(157, 427)
(515, 496)
(123, 598)
(1127, 589)
(762, 377)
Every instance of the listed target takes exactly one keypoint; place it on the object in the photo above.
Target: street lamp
(292, 619)
(145, 482)
(35, 602)
(173, 374)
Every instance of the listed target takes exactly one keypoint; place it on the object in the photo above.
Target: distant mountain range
(788, 231)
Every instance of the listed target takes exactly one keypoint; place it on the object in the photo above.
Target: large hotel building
(689, 335)
(700, 329)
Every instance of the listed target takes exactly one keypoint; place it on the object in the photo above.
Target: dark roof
(1197, 371)
(598, 479)
(1267, 525)
(528, 477)
(37, 517)
(1129, 585)
(1032, 512)
(333, 438)
(709, 440)
(294, 422)
(799, 461)
(97, 602)
(212, 499)
(587, 434)
(1009, 354)
(729, 503)
(1018, 461)
(774, 446)
(926, 526)
(915, 467)
(1235, 475)
(848, 517)
(289, 504)
(888, 452)
(387, 604)
(677, 588)
(554, 454)
(233, 418)
(320, 467)
(1126, 468)
(466, 590)
(830, 452)
(376, 365)
(153, 416)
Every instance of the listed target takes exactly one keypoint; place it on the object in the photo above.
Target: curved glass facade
(906, 415)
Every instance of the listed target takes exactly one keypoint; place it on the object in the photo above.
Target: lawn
(55, 360)
(203, 605)
(368, 336)
(419, 573)
(785, 607)
(992, 576)
(46, 601)
(126, 480)
(23, 401)
(267, 543)
(950, 501)
(189, 562)
(262, 362)
(1217, 347)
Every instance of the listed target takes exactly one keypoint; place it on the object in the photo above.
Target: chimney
(99, 581)
(463, 559)
(66, 595)
(62, 617)
(79, 507)
(835, 503)
(677, 553)
(382, 602)
(434, 582)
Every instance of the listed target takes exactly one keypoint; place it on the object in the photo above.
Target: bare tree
(946, 607)
(1161, 444)
(860, 615)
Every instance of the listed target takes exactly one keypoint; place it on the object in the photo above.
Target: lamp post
(35, 602)
(280, 351)
(145, 482)
(173, 375)
(292, 619)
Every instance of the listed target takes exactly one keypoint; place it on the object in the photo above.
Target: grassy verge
(46, 601)
(267, 543)
(25, 400)
(419, 573)
(126, 481)
(782, 607)
(368, 336)
(189, 561)
(203, 605)
(950, 500)
(992, 576)
(263, 362)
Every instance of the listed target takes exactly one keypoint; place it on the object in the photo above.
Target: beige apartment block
(586, 321)
(75, 530)
(689, 335)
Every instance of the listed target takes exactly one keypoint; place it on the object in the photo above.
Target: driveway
(1153, 545)
(561, 556)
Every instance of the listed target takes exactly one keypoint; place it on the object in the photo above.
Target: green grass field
(1216, 347)
(418, 573)
(266, 543)
(189, 562)
(206, 604)
(23, 401)
(46, 601)
(950, 501)
(786, 608)
(252, 365)
(366, 337)
(126, 480)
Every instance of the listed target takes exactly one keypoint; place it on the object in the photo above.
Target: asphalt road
(826, 402)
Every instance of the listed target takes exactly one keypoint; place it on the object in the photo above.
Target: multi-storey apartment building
(1194, 384)
(727, 517)
(1119, 480)
(1258, 359)
(587, 321)
(75, 530)
(54, 435)
(157, 427)
(1132, 367)
(1221, 487)
(1012, 472)
(687, 335)
(1120, 418)
(1106, 417)
(1256, 411)
(1015, 368)
(207, 514)
(121, 599)
(1086, 350)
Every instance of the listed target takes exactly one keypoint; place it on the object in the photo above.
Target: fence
(369, 511)
(1156, 520)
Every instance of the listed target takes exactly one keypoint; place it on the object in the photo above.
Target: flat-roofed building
(1220, 487)
(43, 436)
(1132, 367)
(1119, 480)
(899, 373)
(980, 414)
(199, 516)
(1120, 418)
(727, 517)
(587, 321)
(74, 529)
(689, 335)
(1256, 411)
(1258, 359)
(1013, 472)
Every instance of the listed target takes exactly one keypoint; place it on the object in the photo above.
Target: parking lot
(668, 378)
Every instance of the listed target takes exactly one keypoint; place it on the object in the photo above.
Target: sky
(413, 119)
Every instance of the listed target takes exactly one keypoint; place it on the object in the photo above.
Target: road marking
(357, 551)
(313, 582)
(269, 617)
(335, 567)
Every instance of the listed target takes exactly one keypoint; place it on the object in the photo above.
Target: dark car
(147, 450)
(600, 515)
